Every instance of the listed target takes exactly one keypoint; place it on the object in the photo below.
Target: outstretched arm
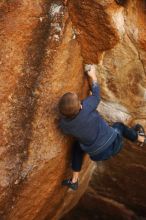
(93, 100)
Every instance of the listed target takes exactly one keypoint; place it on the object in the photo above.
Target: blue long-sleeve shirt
(93, 133)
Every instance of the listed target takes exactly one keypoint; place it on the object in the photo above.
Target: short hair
(69, 105)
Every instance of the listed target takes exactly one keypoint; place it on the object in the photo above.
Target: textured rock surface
(43, 48)
(39, 61)
(117, 188)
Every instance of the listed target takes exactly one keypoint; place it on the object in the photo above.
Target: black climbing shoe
(120, 2)
(68, 182)
(139, 129)
(141, 132)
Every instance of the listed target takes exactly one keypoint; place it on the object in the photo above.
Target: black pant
(122, 130)
(125, 131)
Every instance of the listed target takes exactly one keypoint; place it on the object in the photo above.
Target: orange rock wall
(43, 48)
(117, 188)
(39, 62)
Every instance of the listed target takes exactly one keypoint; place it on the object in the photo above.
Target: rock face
(43, 48)
(40, 60)
(117, 188)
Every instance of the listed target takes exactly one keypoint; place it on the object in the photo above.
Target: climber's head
(69, 105)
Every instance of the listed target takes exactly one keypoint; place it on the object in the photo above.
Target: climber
(92, 134)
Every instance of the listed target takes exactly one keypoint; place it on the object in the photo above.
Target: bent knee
(118, 124)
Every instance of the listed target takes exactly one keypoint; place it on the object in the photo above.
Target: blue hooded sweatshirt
(93, 133)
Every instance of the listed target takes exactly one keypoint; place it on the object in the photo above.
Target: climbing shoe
(141, 132)
(68, 182)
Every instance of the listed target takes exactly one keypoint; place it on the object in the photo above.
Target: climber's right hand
(92, 72)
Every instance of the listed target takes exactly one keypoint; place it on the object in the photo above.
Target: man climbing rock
(93, 135)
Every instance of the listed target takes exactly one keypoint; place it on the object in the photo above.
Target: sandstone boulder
(44, 46)
(117, 188)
